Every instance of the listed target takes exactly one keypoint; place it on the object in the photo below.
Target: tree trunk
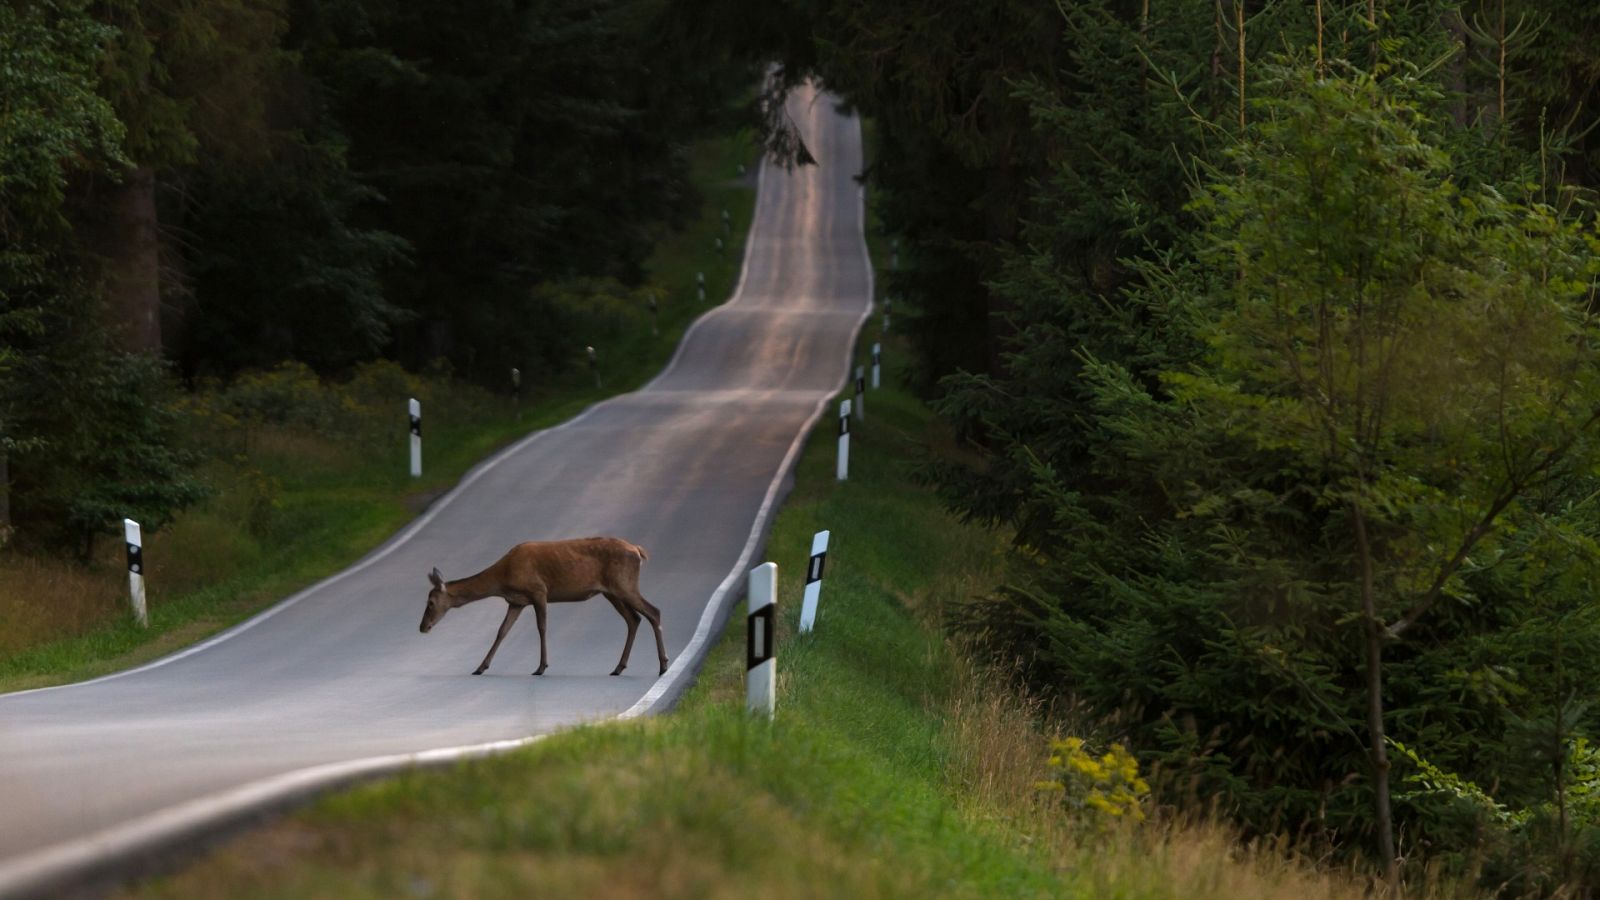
(128, 237)
(1378, 750)
(1455, 71)
(1238, 15)
(5, 498)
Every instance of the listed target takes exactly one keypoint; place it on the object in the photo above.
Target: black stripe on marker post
(135, 559)
(416, 425)
(814, 573)
(758, 636)
(844, 425)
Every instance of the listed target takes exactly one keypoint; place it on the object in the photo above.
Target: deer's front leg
(512, 611)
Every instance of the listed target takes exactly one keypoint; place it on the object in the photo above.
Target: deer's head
(439, 601)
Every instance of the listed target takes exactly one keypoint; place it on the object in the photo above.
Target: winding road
(336, 682)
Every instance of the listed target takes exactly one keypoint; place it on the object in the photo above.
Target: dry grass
(45, 599)
(996, 746)
(49, 599)
(998, 743)
(1200, 860)
(287, 447)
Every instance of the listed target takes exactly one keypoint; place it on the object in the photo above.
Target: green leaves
(52, 123)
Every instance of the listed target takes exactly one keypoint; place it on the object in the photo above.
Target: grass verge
(294, 503)
(893, 768)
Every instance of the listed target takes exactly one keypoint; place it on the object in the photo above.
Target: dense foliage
(195, 189)
(1273, 324)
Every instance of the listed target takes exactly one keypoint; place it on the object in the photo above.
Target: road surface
(337, 680)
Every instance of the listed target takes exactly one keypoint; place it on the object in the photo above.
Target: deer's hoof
(663, 667)
(617, 671)
(539, 671)
(477, 671)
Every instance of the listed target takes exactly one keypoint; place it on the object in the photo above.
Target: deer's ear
(436, 578)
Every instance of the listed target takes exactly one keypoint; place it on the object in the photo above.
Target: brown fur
(538, 573)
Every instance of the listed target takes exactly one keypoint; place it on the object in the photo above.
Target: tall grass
(42, 599)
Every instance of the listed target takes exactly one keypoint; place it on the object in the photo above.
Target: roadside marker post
(655, 317)
(135, 540)
(761, 668)
(819, 558)
(416, 438)
(894, 263)
(844, 440)
(720, 246)
(888, 302)
(594, 365)
(727, 221)
(877, 365)
(861, 395)
(700, 285)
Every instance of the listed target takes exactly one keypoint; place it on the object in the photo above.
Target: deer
(538, 573)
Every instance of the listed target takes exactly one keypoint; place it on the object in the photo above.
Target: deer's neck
(475, 587)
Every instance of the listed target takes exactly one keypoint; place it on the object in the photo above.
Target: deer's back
(578, 566)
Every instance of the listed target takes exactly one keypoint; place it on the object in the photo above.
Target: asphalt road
(319, 686)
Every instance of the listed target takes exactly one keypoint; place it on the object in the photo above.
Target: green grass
(893, 767)
(844, 794)
(328, 502)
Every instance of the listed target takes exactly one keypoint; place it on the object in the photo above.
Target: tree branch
(1515, 486)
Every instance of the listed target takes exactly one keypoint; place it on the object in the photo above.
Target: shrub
(1105, 788)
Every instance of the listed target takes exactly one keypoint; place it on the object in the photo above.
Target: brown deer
(538, 573)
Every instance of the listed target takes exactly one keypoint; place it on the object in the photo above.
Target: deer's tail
(640, 550)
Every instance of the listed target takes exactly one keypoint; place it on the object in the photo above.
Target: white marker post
(131, 533)
(760, 668)
(819, 556)
(895, 259)
(877, 365)
(844, 440)
(700, 285)
(888, 302)
(719, 246)
(416, 438)
(655, 317)
(594, 365)
(861, 395)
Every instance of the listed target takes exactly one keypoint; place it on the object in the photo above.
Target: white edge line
(688, 658)
(55, 864)
(51, 868)
(394, 543)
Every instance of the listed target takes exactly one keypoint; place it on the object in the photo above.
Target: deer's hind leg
(632, 618)
(641, 607)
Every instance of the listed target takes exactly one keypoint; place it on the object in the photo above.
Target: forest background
(1271, 326)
